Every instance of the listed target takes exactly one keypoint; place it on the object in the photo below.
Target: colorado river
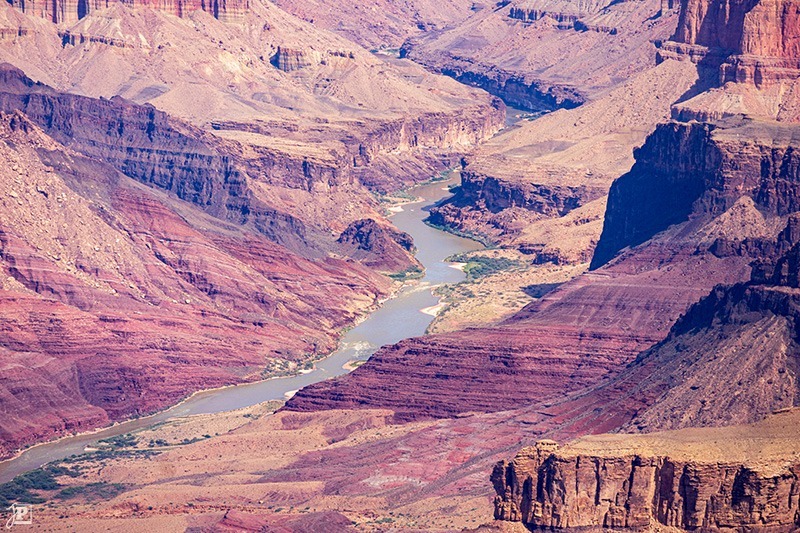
(399, 318)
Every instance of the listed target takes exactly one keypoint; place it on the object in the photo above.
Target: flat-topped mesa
(636, 491)
(69, 11)
(752, 41)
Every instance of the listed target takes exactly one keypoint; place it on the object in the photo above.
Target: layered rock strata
(70, 11)
(748, 54)
(700, 169)
(521, 52)
(585, 492)
(127, 288)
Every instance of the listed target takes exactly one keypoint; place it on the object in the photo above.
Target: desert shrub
(480, 266)
(121, 441)
(92, 491)
(20, 488)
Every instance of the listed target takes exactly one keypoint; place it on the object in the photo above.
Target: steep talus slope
(560, 167)
(380, 247)
(270, 80)
(547, 54)
(382, 23)
(125, 289)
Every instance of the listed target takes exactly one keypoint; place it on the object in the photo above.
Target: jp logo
(20, 515)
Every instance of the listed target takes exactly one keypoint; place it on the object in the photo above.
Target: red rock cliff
(756, 41)
(68, 11)
(700, 169)
(559, 491)
(138, 265)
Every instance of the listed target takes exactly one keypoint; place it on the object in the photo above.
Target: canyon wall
(755, 42)
(141, 249)
(273, 82)
(551, 490)
(700, 169)
(70, 11)
(766, 28)
(161, 151)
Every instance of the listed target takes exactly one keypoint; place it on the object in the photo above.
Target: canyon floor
(200, 195)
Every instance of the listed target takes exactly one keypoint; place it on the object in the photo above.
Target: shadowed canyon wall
(700, 169)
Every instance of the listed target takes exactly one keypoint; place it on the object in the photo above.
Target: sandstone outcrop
(567, 16)
(571, 490)
(377, 246)
(700, 169)
(755, 42)
(70, 11)
(289, 60)
(495, 195)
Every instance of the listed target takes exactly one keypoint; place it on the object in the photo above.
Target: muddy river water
(401, 317)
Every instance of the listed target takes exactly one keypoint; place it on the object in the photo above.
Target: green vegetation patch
(120, 441)
(20, 488)
(480, 266)
(92, 491)
(484, 240)
(413, 272)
